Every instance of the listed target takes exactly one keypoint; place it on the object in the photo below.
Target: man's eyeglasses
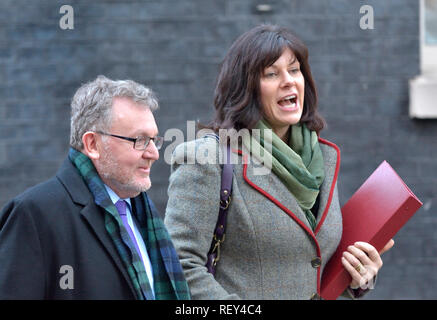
(140, 142)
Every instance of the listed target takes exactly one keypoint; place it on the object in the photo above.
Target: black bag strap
(225, 200)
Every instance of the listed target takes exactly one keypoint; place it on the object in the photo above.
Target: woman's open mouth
(289, 102)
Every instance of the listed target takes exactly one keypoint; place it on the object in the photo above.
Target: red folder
(374, 214)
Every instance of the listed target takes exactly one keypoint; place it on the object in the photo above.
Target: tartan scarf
(151, 228)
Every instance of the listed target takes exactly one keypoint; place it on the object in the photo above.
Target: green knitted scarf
(299, 164)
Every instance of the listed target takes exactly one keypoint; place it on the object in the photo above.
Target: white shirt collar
(114, 197)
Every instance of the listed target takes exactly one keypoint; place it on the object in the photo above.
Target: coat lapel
(80, 195)
(95, 219)
(272, 185)
(331, 158)
(273, 189)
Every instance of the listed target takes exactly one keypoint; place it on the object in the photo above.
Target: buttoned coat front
(270, 250)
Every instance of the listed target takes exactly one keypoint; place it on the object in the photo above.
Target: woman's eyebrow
(289, 64)
(293, 61)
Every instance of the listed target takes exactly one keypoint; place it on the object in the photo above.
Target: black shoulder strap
(225, 200)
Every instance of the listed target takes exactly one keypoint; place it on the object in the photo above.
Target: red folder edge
(367, 218)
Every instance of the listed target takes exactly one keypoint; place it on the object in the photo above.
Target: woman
(283, 226)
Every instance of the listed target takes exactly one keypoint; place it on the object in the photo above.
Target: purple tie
(121, 208)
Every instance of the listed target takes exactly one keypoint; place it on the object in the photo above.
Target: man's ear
(90, 149)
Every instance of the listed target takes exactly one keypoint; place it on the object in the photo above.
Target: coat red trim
(334, 181)
(289, 212)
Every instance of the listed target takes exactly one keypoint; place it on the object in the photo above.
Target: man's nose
(151, 152)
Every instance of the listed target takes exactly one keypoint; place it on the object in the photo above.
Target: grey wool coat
(270, 251)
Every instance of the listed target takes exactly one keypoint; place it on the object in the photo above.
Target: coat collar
(275, 191)
(73, 183)
(80, 194)
(332, 159)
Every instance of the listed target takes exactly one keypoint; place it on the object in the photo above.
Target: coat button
(316, 262)
(315, 296)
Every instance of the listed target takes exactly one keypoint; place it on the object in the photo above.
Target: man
(91, 232)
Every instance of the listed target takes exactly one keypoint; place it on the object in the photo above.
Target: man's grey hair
(91, 105)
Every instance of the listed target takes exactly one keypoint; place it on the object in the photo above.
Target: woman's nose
(288, 79)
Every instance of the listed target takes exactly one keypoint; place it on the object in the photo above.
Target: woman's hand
(387, 247)
(363, 262)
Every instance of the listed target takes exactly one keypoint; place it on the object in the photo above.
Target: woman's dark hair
(237, 93)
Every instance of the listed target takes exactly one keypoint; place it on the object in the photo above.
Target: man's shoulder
(36, 203)
(51, 193)
(40, 194)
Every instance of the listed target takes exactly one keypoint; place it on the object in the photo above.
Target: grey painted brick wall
(176, 47)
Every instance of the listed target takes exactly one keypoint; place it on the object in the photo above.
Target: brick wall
(175, 47)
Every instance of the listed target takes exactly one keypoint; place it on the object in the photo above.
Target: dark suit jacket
(55, 224)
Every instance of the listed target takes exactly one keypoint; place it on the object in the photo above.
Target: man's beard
(119, 179)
